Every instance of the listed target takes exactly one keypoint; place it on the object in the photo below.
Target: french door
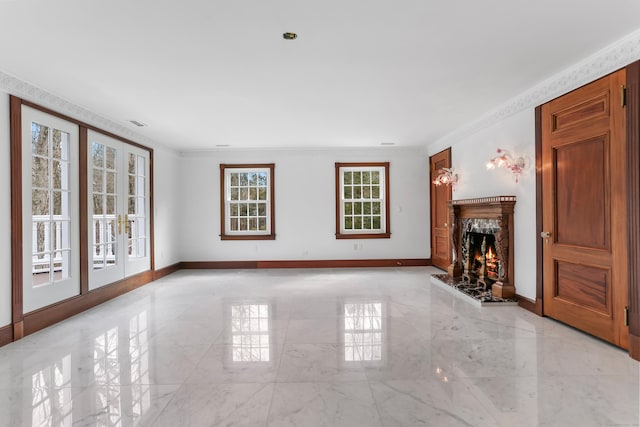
(50, 209)
(118, 207)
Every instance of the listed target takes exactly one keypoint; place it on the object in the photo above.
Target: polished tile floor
(344, 347)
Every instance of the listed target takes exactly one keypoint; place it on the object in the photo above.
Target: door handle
(545, 235)
(119, 224)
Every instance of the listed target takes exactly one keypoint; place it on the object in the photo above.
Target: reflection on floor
(346, 347)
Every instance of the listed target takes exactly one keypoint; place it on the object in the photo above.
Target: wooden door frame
(446, 151)
(633, 209)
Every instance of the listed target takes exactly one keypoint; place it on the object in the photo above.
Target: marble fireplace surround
(486, 215)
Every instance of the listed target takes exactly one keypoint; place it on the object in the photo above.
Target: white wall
(305, 206)
(5, 213)
(166, 207)
(469, 157)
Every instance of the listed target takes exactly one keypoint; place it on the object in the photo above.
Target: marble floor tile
(319, 362)
(243, 404)
(312, 347)
(437, 402)
(347, 404)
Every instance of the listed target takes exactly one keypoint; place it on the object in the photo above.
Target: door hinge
(626, 316)
(623, 95)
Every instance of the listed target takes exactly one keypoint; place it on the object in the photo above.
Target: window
(247, 205)
(362, 200)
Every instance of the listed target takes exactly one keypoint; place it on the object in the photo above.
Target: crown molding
(32, 93)
(611, 58)
(217, 152)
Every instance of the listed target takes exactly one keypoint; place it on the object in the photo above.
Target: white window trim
(382, 199)
(229, 234)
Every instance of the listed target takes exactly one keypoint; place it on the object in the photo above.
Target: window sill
(364, 236)
(248, 237)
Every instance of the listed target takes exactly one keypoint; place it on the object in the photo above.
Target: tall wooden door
(440, 195)
(584, 209)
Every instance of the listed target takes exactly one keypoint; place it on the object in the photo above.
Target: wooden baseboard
(165, 271)
(341, 263)
(47, 316)
(6, 335)
(530, 305)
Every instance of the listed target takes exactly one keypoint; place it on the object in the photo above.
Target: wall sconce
(446, 176)
(505, 160)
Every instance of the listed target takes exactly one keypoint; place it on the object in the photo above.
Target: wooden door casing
(584, 209)
(440, 195)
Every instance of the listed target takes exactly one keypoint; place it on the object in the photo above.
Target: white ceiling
(203, 73)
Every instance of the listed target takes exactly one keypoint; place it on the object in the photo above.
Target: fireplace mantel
(498, 208)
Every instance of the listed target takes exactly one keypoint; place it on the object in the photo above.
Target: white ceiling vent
(137, 123)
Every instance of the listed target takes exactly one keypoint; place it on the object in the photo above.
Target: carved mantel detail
(500, 209)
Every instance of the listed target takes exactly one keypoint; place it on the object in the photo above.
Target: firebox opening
(482, 261)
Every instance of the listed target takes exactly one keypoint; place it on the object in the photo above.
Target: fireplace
(481, 234)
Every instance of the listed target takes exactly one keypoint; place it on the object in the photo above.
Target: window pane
(253, 224)
(234, 179)
(375, 177)
(366, 192)
(262, 179)
(253, 179)
(132, 163)
(348, 177)
(357, 177)
(357, 223)
(375, 192)
(348, 223)
(357, 208)
(348, 208)
(262, 193)
(132, 185)
(253, 193)
(39, 139)
(243, 209)
(244, 180)
(348, 192)
(243, 224)
(131, 209)
(366, 177)
(111, 182)
(262, 209)
(375, 208)
(234, 194)
(244, 194)
(98, 155)
(111, 158)
(40, 172)
(262, 224)
(98, 207)
(233, 209)
(57, 203)
(253, 209)
(58, 144)
(366, 208)
(357, 192)
(376, 223)
(40, 202)
(111, 205)
(366, 222)
(97, 181)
